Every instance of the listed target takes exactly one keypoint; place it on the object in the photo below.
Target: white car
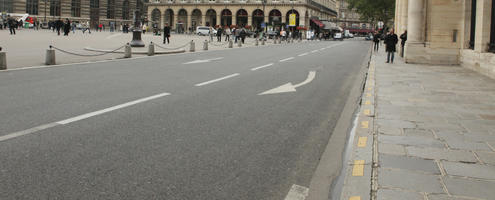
(204, 30)
(338, 36)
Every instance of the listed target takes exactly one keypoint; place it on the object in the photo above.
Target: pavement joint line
(78, 118)
(286, 59)
(261, 67)
(216, 80)
(358, 168)
(362, 142)
(297, 192)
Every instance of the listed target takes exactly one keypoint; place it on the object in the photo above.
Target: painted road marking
(314, 51)
(369, 89)
(283, 60)
(322, 49)
(358, 168)
(355, 198)
(365, 124)
(260, 67)
(77, 118)
(362, 141)
(297, 192)
(303, 54)
(367, 102)
(368, 95)
(216, 80)
(92, 114)
(367, 112)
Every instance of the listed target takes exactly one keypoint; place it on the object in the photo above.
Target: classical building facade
(449, 32)
(95, 11)
(351, 20)
(187, 14)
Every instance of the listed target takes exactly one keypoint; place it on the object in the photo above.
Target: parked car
(204, 30)
(271, 34)
(369, 37)
(338, 36)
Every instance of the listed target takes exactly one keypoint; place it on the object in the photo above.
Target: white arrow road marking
(303, 54)
(216, 80)
(297, 192)
(77, 118)
(289, 87)
(287, 59)
(203, 61)
(261, 67)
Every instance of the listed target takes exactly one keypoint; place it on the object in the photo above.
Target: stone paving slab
(435, 131)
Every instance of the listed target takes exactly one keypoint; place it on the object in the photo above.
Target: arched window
(111, 9)
(75, 9)
(55, 8)
(32, 7)
(492, 29)
(125, 10)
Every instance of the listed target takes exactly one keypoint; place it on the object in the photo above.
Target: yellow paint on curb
(365, 124)
(355, 198)
(367, 112)
(358, 168)
(362, 141)
(368, 94)
(367, 102)
(369, 89)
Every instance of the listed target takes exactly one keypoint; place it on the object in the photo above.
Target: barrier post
(231, 44)
(50, 56)
(205, 45)
(151, 49)
(127, 51)
(192, 47)
(3, 60)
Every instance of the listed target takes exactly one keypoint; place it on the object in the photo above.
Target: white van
(204, 30)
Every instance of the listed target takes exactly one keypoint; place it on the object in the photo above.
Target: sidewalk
(434, 134)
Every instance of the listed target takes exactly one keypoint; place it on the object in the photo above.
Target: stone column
(203, 20)
(403, 15)
(188, 23)
(415, 50)
(415, 21)
(483, 23)
(250, 21)
(176, 18)
(219, 19)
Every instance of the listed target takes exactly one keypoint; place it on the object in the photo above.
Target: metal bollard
(50, 56)
(231, 44)
(300, 40)
(127, 51)
(263, 42)
(256, 42)
(192, 48)
(239, 43)
(205, 45)
(151, 49)
(3, 60)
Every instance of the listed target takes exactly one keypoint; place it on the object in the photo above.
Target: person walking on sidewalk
(403, 38)
(166, 34)
(11, 24)
(211, 32)
(219, 34)
(391, 41)
(227, 33)
(58, 25)
(376, 40)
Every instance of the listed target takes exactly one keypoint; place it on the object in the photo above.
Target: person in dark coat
(219, 34)
(67, 27)
(58, 25)
(391, 41)
(403, 39)
(11, 22)
(166, 34)
(376, 40)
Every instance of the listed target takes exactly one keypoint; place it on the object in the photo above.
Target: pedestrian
(219, 34)
(210, 32)
(166, 34)
(67, 27)
(74, 28)
(58, 25)
(391, 41)
(376, 41)
(227, 33)
(243, 34)
(100, 27)
(11, 22)
(237, 34)
(144, 28)
(403, 39)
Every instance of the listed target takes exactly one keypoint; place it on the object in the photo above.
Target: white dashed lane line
(287, 59)
(216, 80)
(261, 67)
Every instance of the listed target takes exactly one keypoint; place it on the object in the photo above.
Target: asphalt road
(174, 127)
